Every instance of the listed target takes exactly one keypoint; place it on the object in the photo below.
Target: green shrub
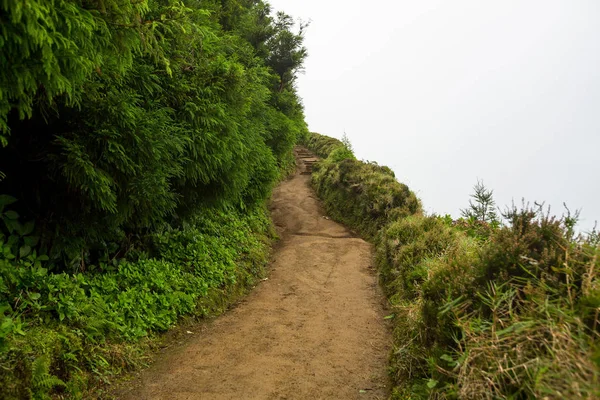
(89, 326)
(530, 331)
(363, 195)
(321, 145)
(124, 118)
(482, 310)
(542, 351)
(339, 154)
(404, 248)
(142, 140)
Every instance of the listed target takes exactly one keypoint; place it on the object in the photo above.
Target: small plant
(346, 143)
(41, 379)
(482, 207)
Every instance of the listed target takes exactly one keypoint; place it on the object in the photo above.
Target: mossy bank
(483, 309)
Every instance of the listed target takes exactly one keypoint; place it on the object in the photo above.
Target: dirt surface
(313, 330)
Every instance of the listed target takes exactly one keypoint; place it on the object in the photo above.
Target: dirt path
(313, 330)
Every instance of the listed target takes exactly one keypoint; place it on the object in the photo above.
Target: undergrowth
(62, 333)
(483, 309)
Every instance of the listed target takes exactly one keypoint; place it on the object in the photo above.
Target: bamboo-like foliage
(139, 140)
(117, 117)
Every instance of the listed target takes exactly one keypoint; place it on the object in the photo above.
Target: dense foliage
(322, 145)
(122, 117)
(139, 141)
(362, 195)
(483, 309)
(85, 328)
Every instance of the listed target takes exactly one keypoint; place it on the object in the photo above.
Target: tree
(286, 52)
(346, 142)
(482, 207)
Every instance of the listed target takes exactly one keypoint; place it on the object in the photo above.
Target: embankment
(482, 311)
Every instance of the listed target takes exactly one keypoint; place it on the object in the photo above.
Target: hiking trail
(314, 329)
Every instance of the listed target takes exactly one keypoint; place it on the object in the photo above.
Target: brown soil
(313, 330)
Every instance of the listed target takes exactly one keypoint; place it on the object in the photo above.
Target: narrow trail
(313, 330)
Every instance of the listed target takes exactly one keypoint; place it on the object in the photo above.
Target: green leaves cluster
(85, 326)
(119, 118)
(51, 48)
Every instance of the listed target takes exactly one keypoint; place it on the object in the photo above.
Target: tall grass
(482, 311)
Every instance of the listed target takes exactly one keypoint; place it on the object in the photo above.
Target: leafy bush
(405, 249)
(480, 324)
(321, 145)
(84, 327)
(185, 105)
(141, 140)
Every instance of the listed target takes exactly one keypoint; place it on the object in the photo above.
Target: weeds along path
(313, 330)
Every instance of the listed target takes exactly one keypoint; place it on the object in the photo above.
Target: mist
(448, 93)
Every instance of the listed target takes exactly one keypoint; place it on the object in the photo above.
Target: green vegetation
(362, 195)
(138, 144)
(86, 327)
(483, 309)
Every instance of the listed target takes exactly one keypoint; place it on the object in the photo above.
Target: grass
(482, 311)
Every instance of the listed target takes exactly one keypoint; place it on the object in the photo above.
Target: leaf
(34, 296)
(10, 224)
(27, 228)
(4, 308)
(31, 240)
(24, 251)
(449, 360)
(10, 214)
(6, 326)
(6, 200)
(432, 383)
(516, 327)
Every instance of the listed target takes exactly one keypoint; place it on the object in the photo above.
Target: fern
(42, 382)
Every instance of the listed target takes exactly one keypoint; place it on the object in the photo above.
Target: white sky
(448, 92)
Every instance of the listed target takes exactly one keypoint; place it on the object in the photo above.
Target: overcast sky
(448, 92)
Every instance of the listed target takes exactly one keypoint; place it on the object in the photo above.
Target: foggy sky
(449, 92)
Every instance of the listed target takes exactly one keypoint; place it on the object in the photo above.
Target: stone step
(308, 159)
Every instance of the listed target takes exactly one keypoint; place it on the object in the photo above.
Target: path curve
(313, 330)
